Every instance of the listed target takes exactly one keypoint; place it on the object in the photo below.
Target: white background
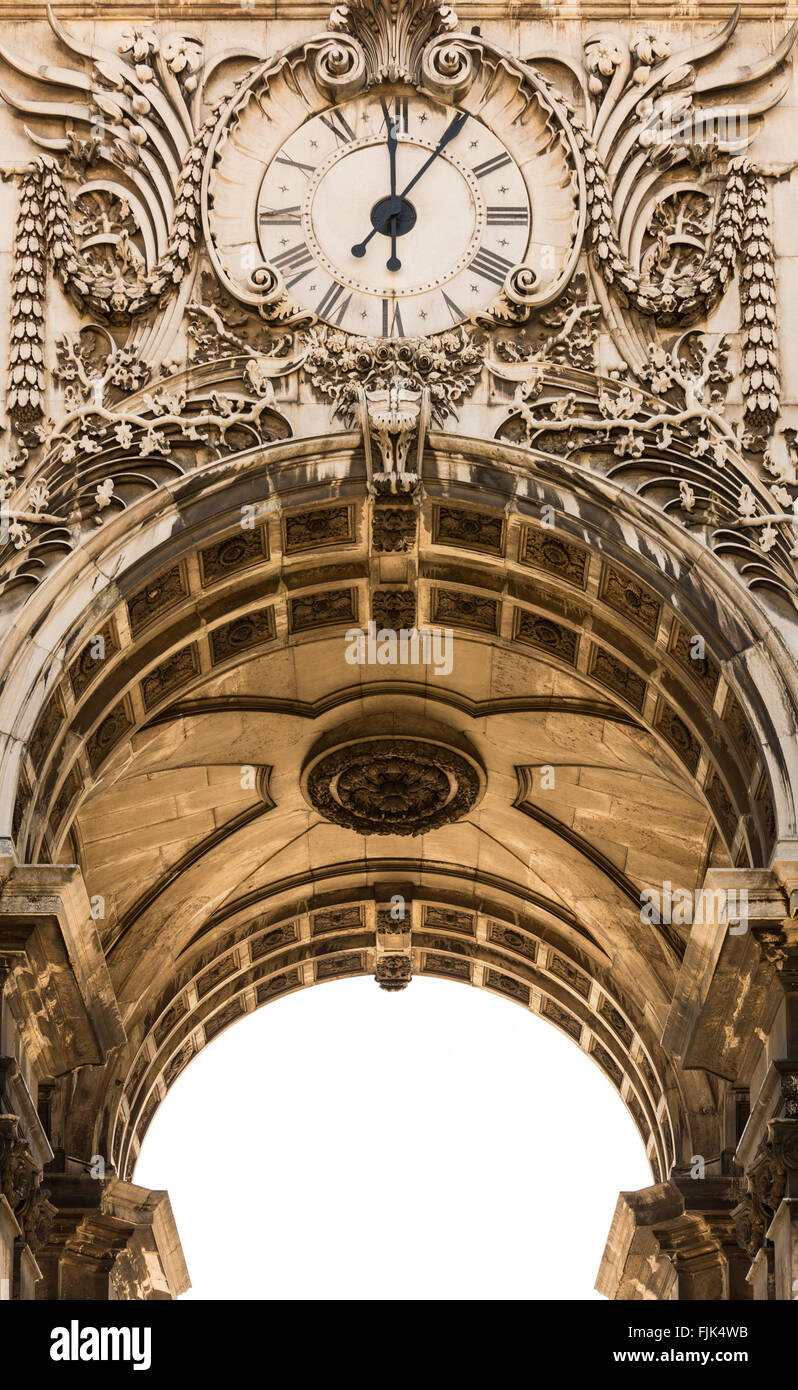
(440, 1142)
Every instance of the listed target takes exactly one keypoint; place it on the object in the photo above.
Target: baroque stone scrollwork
(647, 198)
(394, 35)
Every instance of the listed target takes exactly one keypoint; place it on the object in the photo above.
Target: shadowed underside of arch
(254, 809)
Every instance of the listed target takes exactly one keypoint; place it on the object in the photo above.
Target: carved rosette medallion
(393, 786)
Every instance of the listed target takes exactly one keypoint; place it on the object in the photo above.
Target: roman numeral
(392, 326)
(340, 127)
(290, 262)
(295, 164)
(398, 122)
(454, 309)
(279, 217)
(490, 266)
(489, 166)
(508, 217)
(328, 302)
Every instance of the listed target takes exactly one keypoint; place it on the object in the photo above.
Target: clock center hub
(398, 210)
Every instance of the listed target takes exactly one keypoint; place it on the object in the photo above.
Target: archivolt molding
(322, 939)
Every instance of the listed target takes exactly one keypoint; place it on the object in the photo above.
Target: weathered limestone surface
(399, 582)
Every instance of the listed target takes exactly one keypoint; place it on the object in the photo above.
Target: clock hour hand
(393, 262)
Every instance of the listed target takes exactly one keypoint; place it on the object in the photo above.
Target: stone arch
(522, 586)
(585, 625)
(586, 487)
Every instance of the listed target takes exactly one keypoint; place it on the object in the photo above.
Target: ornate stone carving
(547, 635)
(108, 733)
(668, 723)
(702, 669)
(449, 919)
(337, 919)
(550, 553)
(722, 805)
(278, 984)
(179, 668)
(515, 941)
(464, 610)
(321, 526)
(393, 528)
(626, 596)
(392, 35)
(71, 787)
(250, 630)
(393, 972)
(452, 967)
(331, 968)
(477, 530)
(606, 1062)
(325, 609)
(776, 1159)
(612, 673)
(506, 984)
(20, 1184)
(448, 366)
(239, 551)
(564, 970)
(92, 658)
(394, 609)
(392, 786)
(556, 1014)
(48, 725)
(565, 333)
(394, 420)
(157, 598)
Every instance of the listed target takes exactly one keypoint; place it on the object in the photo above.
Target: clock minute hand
(360, 248)
(449, 134)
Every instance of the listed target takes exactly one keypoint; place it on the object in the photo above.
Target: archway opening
(431, 1144)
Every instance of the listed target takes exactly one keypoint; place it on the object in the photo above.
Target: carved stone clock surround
(590, 472)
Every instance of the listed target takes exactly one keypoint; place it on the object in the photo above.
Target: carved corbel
(394, 422)
(394, 965)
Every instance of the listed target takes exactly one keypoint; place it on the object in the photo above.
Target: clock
(393, 215)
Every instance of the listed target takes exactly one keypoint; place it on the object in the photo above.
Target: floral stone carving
(393, 786)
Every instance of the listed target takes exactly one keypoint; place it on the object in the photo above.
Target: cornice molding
(475, 11)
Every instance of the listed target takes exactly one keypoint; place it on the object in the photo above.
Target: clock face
(393, 216)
